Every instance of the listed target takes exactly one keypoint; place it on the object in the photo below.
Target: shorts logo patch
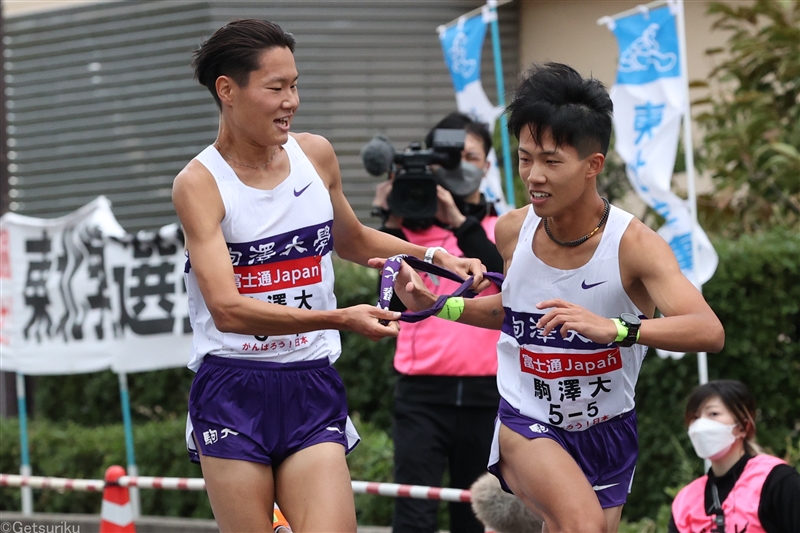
(331, 428)
(225, 432)
(210, 436)
(597, 488)
(538, 428)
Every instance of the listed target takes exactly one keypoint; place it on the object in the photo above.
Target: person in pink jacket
(445, 397)
(745, 489)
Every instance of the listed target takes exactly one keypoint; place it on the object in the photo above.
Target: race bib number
(573, 391)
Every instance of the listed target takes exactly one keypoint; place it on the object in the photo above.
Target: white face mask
(711, 439)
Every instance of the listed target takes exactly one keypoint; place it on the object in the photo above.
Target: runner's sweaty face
(263, 109)
(555, 176)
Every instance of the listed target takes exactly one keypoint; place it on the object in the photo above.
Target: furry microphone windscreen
(500, 511)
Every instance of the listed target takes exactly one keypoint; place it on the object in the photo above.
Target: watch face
(629, 319)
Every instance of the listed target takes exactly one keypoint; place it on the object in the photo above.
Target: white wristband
(430, 251)
(429, 259)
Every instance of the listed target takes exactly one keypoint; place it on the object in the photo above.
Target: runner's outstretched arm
(484, 312)
(200, 209)
(358, 243)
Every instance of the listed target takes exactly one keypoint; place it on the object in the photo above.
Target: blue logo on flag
(648, 46)
(462, 44)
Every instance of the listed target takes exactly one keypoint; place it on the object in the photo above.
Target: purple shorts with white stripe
(263, 412)
(606, 452)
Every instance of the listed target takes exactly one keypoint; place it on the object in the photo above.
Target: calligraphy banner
(649, 100)
(462, 44)
(79, 295)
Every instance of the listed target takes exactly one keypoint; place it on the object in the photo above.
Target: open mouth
(539, 195)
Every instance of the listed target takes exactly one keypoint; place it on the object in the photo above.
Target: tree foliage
(752, 121)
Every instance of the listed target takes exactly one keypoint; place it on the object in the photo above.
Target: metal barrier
(393, 490)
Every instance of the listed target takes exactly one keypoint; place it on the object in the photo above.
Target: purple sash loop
(392, 268)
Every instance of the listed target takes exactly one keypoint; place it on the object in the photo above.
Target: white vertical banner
(55, 291)
(462, 44)
(79, 295)
(649, 101)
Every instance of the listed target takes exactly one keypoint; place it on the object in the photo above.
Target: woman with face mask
(745, 489)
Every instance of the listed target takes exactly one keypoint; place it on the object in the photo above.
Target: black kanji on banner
(60, 282)
(81, 246)
(36, 296)
(95, 246)
(146, 287)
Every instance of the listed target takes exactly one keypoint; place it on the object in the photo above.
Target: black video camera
(414, 188)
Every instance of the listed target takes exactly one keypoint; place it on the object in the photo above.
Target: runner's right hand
(364, 320)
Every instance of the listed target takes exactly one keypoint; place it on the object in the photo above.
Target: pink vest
(740, 507)
(438, 347)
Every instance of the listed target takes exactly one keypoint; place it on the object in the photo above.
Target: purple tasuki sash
(392, 268)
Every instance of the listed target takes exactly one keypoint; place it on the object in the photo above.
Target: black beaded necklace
(586, 237)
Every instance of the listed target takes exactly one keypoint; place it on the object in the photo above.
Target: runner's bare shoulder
(506, 231)
(315, 146)
(640, 245)
(194, 190)
(320, 152)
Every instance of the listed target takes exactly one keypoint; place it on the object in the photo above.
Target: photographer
(446, 397)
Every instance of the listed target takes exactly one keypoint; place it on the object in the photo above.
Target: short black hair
(234, 51)
(458, 121)
(554, 97)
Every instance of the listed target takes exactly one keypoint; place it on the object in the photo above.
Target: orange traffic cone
(116, 513)
(279, 523)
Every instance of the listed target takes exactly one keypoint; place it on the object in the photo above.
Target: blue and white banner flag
(462, 44)
(649, 100)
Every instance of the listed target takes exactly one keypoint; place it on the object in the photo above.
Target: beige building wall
(566, 31)
(18, 7)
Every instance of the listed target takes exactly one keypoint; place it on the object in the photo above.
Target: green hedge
(755, 292)
(73, 451)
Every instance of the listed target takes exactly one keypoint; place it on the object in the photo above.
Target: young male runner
(262, 209)
(583, 281)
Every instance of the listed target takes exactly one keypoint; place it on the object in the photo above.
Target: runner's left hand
(464, 267)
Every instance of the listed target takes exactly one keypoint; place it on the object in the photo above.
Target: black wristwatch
(629, 324)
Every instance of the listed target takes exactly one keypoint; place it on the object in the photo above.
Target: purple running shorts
(606, 452)
(263, 412)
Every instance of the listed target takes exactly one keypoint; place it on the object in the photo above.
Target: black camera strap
(719, 516)
(392, 268)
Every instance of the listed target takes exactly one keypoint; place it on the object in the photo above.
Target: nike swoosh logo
(603, 487)
(331, 428)
(301, 191)
(584, 285)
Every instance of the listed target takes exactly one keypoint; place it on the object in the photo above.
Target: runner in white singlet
(262, 210)
(583, 283)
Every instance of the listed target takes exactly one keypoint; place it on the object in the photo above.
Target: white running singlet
(280, 244)
(572, 383)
